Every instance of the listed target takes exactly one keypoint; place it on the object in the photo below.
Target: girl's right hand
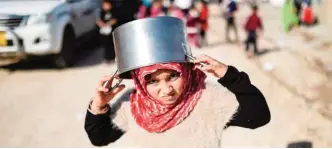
(103, 94)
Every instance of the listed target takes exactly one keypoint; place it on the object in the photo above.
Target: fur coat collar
(202, 128)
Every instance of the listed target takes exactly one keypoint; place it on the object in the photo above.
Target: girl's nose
(166, 89)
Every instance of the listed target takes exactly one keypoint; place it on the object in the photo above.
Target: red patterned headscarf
(155, 116)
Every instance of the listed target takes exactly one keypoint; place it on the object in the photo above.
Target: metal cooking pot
(149, 41)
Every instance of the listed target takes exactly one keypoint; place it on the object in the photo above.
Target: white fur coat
(202, 128)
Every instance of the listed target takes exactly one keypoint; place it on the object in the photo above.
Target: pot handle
(185, 50)
(117, 83)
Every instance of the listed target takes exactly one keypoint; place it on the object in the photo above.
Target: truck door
(89, 8)
(76, 13)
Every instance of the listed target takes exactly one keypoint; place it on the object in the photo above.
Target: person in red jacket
(253, 24)
(203, 18)
(308, 17)
(192, 25)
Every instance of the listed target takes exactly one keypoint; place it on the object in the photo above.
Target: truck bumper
(11, 48)
(37, 39)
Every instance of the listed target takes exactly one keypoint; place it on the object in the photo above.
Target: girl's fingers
(206, 60)
(106, 79)
(197, 65)
(113, 91)
(207, 68)
(103, 80)
(116, 76)
(117, 89)
(102, 89)
(107, 84)
(201, 59)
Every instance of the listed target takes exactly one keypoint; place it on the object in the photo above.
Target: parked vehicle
(45, 27)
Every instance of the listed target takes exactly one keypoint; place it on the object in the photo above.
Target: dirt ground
(46, 107)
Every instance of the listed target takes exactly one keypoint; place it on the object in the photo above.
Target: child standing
(289, 16)
(253, 24)
(307, 17)
(229, 14)
(203, 18)
(192, 23)
(106, 22)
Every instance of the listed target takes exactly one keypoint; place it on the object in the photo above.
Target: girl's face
(156, 4)
(198, 6)
(107, 6)
(165, 85)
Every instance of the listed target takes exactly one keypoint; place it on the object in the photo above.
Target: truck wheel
(65, 58)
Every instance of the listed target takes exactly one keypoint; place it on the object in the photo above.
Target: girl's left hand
(212, 66)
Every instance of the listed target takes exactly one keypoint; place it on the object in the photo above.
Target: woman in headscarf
(172, 106)
(172, 103)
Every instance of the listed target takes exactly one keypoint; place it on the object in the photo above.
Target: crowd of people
(253, 26)
(298, 12)
(115, 13)
(195, 14)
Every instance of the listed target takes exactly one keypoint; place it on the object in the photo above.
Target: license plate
(3, 40)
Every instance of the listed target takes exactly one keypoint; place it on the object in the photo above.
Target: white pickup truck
(44, 27)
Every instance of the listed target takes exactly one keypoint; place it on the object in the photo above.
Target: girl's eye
(174, 75)
(152, 82)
